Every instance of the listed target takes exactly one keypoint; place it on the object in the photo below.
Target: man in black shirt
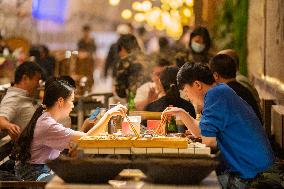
(224, 71)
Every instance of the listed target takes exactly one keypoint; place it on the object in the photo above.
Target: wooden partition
(277, 124)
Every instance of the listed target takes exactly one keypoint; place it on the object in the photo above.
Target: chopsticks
(132, 127)
(161, 124)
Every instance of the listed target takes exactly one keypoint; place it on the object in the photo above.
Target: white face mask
(197, 47)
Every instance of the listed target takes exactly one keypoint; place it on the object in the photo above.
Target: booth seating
(277, 124)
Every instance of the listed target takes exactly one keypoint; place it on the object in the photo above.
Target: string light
(114, 2)
(139, 17)
(126, 14)
(171, 16)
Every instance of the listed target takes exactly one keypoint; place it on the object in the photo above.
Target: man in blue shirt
(227, 122)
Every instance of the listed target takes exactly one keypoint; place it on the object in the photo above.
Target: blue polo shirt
(239, 133)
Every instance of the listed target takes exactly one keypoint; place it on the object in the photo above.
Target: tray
(124, 142)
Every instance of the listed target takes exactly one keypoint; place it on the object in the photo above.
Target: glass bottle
(112, 121)
(131, 103)
(171, 126)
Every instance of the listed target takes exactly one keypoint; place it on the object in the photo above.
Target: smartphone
(95, 114)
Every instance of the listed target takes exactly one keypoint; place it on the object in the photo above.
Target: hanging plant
(230, 29)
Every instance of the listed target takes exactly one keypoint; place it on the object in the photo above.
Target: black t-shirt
(162, 103)
(247, 96)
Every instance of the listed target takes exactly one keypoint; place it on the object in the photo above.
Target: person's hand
(172, 111)
(88, 124)
(117, 110)
(13, 130)
(152, 95)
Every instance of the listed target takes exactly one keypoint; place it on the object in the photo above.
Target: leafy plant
(230, 29)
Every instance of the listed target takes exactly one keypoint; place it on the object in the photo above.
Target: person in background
(239, 77)
(113, 58)
(17, 106)
(34, 56)
(151, 91)
(228, 122)
(182, 43)
(164, 45)
(199, 45)
(168, 83)
(165, 50)
(132, 69)
(4, 47)
(87, 43)
(44, 138)
(46, 61)
(224, 71)
(181, 58)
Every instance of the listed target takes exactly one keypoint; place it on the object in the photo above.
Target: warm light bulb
(165, 7)
(186, 12)
(146, 6)
(114, 2)
(139, 17)
(126, 14)
(137, 6)
(189, 3)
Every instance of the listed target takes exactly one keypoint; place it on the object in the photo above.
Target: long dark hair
(53, 91)
(169, 81)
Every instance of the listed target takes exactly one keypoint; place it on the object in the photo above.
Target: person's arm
(13, 129)
(87, 125)
(190, 122)
(100, 126)
(152, 96)
(209, 141)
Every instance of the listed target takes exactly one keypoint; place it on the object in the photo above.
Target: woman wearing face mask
(199, 45)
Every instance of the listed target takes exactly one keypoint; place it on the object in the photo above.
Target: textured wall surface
(255, 37)
(275, 39)
(266, 38)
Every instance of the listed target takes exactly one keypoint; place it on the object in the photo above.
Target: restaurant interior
(141, 94)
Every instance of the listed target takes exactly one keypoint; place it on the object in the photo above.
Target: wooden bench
(277, 123)
(266, 101)
(22, 184)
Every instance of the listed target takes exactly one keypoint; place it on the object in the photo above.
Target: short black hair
(202, 31)
(163, 61)
(224, 65)
(86, 28)
(181, 58)
(27, 68)
(34, 51)
(128, 42)
(191, 72)
(164, 42)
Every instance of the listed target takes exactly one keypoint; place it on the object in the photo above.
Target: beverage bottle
(171, 126)
(111, 123)
(131, 103)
